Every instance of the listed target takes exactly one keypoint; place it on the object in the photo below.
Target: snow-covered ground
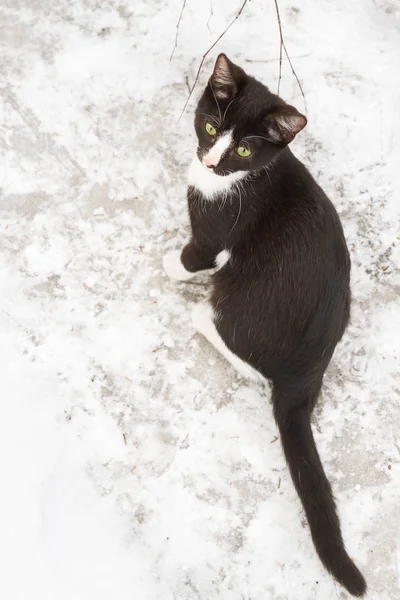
(134, 463)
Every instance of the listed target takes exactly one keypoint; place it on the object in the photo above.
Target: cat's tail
(314, 490)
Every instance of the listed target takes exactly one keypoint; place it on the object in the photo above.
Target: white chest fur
(210, 184)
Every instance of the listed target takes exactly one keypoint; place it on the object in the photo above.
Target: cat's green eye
(243, 151)
(210, 129)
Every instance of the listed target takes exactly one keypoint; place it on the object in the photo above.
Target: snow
(135, 463)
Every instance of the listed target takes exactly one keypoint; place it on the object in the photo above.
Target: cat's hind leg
(203, 319)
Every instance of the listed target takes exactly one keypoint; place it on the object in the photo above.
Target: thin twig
(256, 60)
(208, 52)
(177, 30)
(280, 45)
(283, 45)
(211, 15)
(187, 83)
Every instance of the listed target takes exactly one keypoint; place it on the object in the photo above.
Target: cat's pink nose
(209, 161)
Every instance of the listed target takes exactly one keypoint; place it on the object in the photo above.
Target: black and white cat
(280, 298)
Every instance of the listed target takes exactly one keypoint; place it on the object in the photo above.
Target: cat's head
(240, 124)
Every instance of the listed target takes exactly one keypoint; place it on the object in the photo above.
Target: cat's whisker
(211, 117)
(216, 102)
(240, 209)
(266, 170)
(261, 137)
(226, 110)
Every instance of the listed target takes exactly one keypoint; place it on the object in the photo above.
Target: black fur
(283, 299)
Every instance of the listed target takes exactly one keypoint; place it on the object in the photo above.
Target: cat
(280, 300)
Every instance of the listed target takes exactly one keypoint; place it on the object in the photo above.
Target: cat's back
(292, 270)
(295, 254)
(298, 223)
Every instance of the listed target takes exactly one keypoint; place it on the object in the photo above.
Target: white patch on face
(210, 184)
(213, 156)
(221, 259)
(203, 319)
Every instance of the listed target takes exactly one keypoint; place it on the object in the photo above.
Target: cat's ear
(284, 123)
(226, 78)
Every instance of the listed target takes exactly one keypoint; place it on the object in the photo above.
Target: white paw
(203, 318)
(174, 268)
